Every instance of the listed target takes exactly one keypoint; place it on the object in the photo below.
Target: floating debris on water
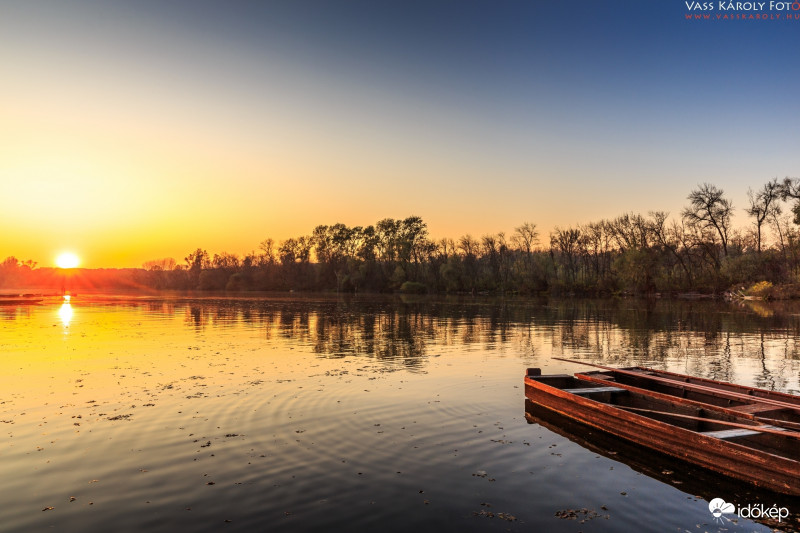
(489, 514)
(583, 514)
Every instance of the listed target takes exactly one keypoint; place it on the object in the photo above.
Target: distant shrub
(762, 289)
(413, 287)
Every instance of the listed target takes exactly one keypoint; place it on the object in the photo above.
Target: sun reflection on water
(65, 313)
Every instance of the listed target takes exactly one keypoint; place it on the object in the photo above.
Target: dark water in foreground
(318, 413)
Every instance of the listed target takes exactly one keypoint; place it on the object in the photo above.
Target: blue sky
(264, 119)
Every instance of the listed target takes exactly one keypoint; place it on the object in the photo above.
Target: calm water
(318, 413)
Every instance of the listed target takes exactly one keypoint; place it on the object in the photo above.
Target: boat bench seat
(594, 390)
(735, 433)
(753, 408)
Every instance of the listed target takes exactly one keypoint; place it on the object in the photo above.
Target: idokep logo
(718, 507)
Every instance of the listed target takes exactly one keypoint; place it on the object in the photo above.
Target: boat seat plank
(752, 408)
(730, 433)
(735, 433)
(593, 390)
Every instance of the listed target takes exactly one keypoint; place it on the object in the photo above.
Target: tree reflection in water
(754, 343)
(702, 338)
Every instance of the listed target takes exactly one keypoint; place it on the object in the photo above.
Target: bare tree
(289, 251)
(764, 204)
(445, 248)
(526, 237)
(198, 260)
(167, 263)
(710, 210)
(468, 246)
(787, 237)
(567, 243)
(630, 231)
(669, 238)
(267, 248)
(790, 188)
(597, 240)
(226, 261)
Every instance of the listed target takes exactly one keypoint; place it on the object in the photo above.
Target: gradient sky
(132, 131)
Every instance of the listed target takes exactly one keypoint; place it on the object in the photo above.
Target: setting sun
(67, 260)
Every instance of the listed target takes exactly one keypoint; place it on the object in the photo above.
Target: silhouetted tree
(167, 263)
(196, 262)
(710, 210)
(764, 204)
(564, 248)
(790, 188)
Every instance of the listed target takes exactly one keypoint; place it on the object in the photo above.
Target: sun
(67, 260)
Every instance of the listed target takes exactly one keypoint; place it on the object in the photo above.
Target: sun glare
(65, 313)
(67, 260)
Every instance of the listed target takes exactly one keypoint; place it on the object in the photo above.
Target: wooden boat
(708, 435)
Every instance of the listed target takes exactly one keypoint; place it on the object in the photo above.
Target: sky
(133, 131)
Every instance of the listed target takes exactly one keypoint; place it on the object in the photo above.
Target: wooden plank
(752, 408)
(592, 390)
(734, 433)
(730, 433)
(760, 428)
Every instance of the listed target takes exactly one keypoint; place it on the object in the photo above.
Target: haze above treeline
(699, 250)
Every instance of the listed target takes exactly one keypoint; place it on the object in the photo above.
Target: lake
(182, 412)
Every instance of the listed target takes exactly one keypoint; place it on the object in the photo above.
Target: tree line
(697, 251)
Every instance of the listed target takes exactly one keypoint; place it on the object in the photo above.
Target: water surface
(310, 412)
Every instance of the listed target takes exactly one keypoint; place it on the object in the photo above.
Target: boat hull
(762, 469)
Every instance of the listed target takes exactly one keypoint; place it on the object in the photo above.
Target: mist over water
(309, 412)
